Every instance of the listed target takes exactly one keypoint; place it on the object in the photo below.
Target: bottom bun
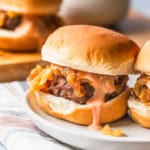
(10, 40)
(139, 112)
(139, 118)
(82, 114)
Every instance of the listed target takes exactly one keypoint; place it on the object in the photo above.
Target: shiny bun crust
(142, 62)
(73, 112)
(29, 35)
(139, 112)
(33, 7)
(92, 49)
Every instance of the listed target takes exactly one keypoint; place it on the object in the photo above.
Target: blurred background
(130, 17)
(101, 12)
(142, 6)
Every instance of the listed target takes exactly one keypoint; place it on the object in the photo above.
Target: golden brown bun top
(143, 60)
(38, 7)
(92, 49)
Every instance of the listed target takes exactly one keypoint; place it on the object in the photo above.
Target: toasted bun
(81, 114)
(139, 112)
(32, 7)
(92, 49)
(30, 35)
(142, 62)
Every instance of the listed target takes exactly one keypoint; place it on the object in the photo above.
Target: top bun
(92, 49)
(33, 7)
(143, 59)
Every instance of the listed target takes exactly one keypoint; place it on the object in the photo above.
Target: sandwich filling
(71, 84)
(141, 89)
(11, 20)
(77, 86)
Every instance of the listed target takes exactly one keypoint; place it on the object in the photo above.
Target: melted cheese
(11, 14)
(107, 130)
(2, 19)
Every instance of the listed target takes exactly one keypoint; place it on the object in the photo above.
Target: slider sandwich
(139, 102)
(86, 79)
(25, 24)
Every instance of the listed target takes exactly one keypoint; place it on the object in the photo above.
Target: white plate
(137, 137)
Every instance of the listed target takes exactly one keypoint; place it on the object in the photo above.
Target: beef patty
(74, 85)
(59, 87)
(11, 23)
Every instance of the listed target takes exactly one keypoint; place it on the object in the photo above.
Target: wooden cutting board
(16, 66)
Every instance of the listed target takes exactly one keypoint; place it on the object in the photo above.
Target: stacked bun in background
(25, 24)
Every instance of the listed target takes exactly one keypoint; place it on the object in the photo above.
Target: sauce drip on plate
(103, 85)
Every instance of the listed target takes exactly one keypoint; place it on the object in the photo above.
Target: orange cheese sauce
(107, 130)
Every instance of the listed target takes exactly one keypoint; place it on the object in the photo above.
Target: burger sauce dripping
(103, 85)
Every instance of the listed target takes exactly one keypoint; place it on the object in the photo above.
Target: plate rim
(102, 137)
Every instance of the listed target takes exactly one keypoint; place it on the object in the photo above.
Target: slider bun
(29, 35)
(33, 7)
(139, 112)
(143, 59)
(81, 114)
(139, 118)
(92, 49)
